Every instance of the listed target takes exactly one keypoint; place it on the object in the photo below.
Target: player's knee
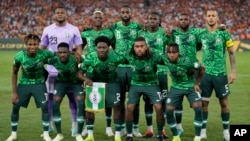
(197, 109)
(194, 105)
(224, 102)
(56, 105)
(71, 98)
(179, 108)
(130, 108)
(148, 109)
(117, 115)
(116, 109)
(205, 103)
(44, 109)
(157, 107)
(169, 112)
(80, 104)
(224, 107)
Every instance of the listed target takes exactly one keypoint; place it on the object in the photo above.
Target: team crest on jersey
(72, 69)
(40, 64)
(191, 37)
(132, 32)
(111, 67)
(218, 41)
(159, 40)
(67, 35)
(147, 68)
(179, 73)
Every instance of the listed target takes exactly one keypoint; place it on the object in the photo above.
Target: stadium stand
(19, 17)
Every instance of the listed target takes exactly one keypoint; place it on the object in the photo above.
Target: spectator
(27, 15)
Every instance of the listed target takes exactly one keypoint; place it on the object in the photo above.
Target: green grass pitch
(30, 126)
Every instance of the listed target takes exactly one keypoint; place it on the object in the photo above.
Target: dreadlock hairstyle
(31, 36)
(148, 53)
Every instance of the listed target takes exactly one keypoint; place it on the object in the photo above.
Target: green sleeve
(17, 62)
(86, 63)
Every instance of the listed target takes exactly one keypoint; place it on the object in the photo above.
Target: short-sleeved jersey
(144, 70)
(125, 36)
(155, 40)
(32, 67)
(53, 35)
(91, 35)
(102, 71)
(214, 45)
(67, 73)
(182, 72)
(187, 41)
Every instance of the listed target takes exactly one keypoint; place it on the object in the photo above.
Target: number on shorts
(164, 93)
(159, 95)
(118, 95)
(227, 88)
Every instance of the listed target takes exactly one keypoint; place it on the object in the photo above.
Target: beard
(185, 27)
(126, 20)
(60, 21)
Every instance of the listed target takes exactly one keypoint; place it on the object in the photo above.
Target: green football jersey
(155, 40)
(144, 70)
(214, 45)
(187, 41)
(102, 71)
(66, 72)
(182, 72)
(91, 35)
(125, 36)
(32, 67)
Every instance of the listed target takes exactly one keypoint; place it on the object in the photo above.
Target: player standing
(156, 40)
(186, 37)
(103, 63)
(30, 83)
(67, 65)
(89, 37)
(62, 31)
(144, 81)
(215, 42)
(181, 70)
(125, 31)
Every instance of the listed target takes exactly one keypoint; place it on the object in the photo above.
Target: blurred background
(19, 17)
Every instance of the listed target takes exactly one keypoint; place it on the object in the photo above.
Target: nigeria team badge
(95, 97)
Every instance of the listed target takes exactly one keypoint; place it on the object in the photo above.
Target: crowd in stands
(19, 17)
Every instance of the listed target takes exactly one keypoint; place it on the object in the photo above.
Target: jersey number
(53, 40)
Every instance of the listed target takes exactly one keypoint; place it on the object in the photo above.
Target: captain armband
(229, 43)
